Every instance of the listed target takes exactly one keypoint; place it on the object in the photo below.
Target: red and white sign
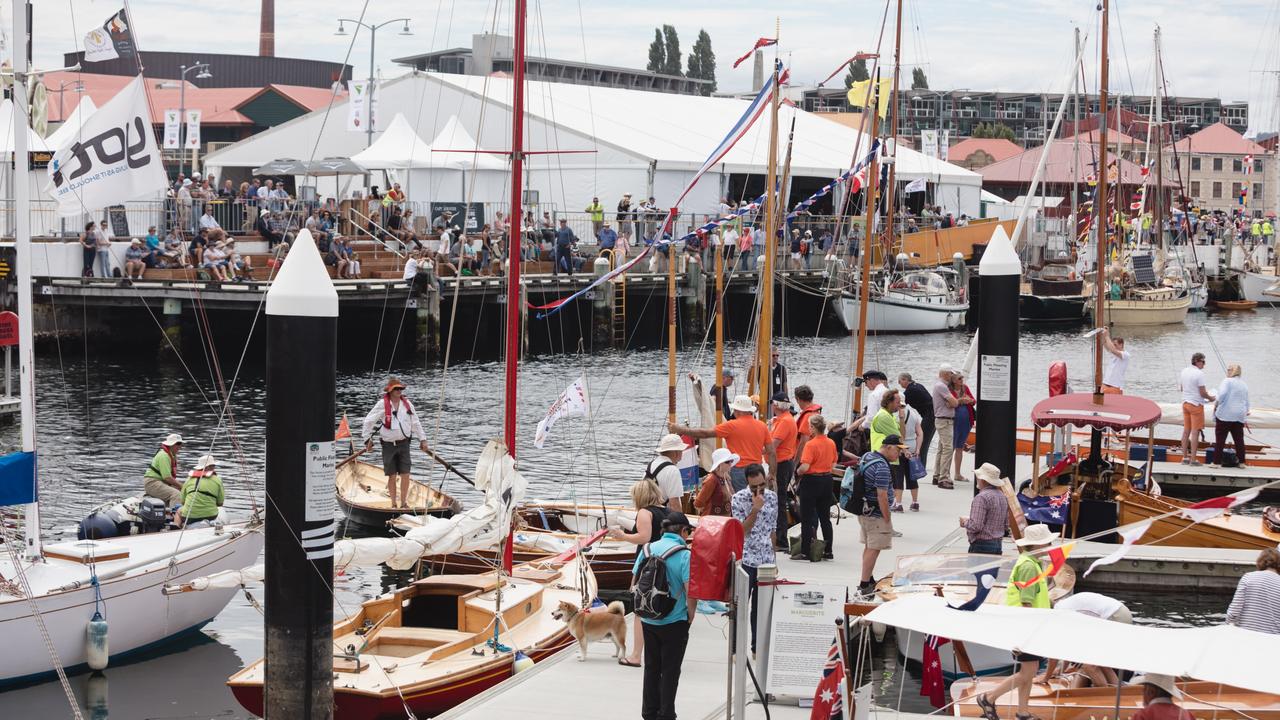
(8, 329)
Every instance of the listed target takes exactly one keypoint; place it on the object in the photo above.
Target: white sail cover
(1224, 654)
(483, 526)
(1269, 418)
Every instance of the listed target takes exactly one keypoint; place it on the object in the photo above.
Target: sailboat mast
(1157, 226)
(514, 300)
(720, 251)
(1075, 146)
(671, 326)
(765, 332)
(1104, 216)
(893, 136)
(864, 284)
(22, 242)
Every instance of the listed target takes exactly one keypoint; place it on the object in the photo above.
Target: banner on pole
(172, 135)
(929, 143)
(361, 113)
(193, 129)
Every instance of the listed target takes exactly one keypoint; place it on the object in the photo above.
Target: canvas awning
(398, 148)
(1224, 653)
(283, 166)
(1117, 412)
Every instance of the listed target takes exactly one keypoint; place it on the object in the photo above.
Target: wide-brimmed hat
(990, 474)
(392, 384)
(722, 456)
(875, 375)
(171, 440)
(135, 241)
(205, 462)
(742, 403)
(672, 442)
(1038, 534)
(1164, 682)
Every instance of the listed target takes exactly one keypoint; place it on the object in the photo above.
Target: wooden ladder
(619, 310)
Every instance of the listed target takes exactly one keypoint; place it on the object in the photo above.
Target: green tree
(857, 73)
(702, 62)
(657, 53)
(672, 64)
(918, 79)
(994, 130)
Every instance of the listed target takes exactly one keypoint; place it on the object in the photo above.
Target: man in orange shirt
(744, 435)
(782, 428)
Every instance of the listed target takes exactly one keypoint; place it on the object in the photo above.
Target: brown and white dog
(594, 625)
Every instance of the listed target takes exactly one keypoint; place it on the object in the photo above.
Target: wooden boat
(1245, 532)
(1055, 700)
(1149, 306)
(1234, 304)
(1037, 309)
(428, 646)
(362, 494)
(1259, 455)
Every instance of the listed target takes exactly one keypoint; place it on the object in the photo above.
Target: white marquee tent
(636, 142)
(71, 127)
(443, 169)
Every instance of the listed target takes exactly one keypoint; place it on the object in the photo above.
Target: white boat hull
(138, 614)
(986, 660)
(1254, 286)
(892, 314)
(1199, 297)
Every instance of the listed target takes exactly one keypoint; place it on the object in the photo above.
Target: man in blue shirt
(608, 238)
(877, 528)
(564, 248)
(665, 638)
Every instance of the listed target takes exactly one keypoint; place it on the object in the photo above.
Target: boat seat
(430, 636)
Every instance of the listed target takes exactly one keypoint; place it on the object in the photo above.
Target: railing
(235, 217)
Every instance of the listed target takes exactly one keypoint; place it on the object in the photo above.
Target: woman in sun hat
(716, 494)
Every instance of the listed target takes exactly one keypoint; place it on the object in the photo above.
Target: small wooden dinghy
(362, 494)
(428, 646)
(1056, 700)
(1235, 304)
(1246, 532)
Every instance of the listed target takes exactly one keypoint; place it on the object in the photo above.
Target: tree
(994, 130)
(702, 62)
(657, 53)
(918, 79)
(672, 64)
(857, 73)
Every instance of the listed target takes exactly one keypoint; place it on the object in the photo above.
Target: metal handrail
(362, 229)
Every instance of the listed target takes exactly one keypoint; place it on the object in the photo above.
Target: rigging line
(591, 111)
(377, 346)
(57, 340)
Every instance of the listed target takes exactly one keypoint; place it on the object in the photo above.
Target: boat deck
(1213, 480)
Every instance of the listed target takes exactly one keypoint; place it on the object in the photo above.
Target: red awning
(1117, 412)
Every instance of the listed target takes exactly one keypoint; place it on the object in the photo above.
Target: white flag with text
(172, 129)
(193, 129)
(915, 186)
(572, 402)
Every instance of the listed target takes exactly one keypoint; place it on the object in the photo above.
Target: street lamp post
(373, 39)
(75, 85)
(182, 109)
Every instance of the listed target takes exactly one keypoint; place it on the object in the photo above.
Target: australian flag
(932, 685)
(1050, 510)
(828, 700)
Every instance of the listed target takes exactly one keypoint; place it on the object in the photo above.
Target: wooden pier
(1202, 479)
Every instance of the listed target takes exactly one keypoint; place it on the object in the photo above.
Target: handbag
(915, 468)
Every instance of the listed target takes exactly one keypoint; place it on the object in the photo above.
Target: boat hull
(889, 315)
(1052, 308)
(1148, 312)
(361, 489)
(1254, 287)
(1054, 700)
(1241, 532)
(612, 570)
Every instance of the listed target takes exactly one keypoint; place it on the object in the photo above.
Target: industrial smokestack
(267, 30)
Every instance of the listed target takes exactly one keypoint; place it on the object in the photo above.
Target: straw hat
(990, 474)
(172, 439)
(742, 403)
(722, 456)
(392, 384)
(671, 442)
(1038, 534)
(205, 462)
(1164, 682)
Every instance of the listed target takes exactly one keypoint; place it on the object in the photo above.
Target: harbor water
(100, 418)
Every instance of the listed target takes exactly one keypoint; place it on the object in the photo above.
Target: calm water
(100, 421)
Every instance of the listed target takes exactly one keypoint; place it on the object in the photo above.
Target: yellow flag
(858, 95)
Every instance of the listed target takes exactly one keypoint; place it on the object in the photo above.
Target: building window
(1217, 191)
(1217, 164)
(1235, 189)
(1237, 165)
(1257, 165)
(1195, 189)
(1195, 163)
(1257, 191)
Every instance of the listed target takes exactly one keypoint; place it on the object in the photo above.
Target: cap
(893, 440)
(781, 397)
(676, 521)
(876, 375)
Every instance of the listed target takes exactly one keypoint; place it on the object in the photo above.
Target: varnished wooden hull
(362, 496)
(1203, 699)
(1257, 454)
(1230, 531)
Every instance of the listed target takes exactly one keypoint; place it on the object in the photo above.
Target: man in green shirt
(596, 211)
(160, 480)
(202, 493)
(1027, 588)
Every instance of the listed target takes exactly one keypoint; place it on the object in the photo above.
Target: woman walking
(1229, 415)
(966, 418)
(650, 513)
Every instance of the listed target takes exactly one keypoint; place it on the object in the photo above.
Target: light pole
(373, 39)
(182, 108)
(75, 85)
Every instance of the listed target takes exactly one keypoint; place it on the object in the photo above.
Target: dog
(594, 625)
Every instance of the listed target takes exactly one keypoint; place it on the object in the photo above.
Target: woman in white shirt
(1229, 415)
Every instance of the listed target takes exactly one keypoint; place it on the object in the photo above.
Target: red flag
(1213, 507)
(508, 552)
(828, 701)
(761, 43)
(1057, 558)
(344, 429)
(932, 685)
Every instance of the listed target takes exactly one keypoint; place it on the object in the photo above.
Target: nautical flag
(916, 186)
(828, 700)
(1057, 558)
(859, 96)
(1048, 509)
(688, 465)
(855, 177)
(1213, 507)
(111, 41)
(1145, 170)
(1244, 194)
(344, 429)
(761, 43)
(932, 685)
(1129, 538)
(573, 402)
(1248, 164)
(983, 581)
(846, 63)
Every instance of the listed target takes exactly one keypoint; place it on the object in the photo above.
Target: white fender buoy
(522, 662)
(95, 643)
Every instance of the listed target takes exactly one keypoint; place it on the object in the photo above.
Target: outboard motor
(151, 515)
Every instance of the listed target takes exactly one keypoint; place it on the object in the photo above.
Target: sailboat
(51, 592)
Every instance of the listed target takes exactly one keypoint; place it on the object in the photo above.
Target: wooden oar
(449, 467)
(351, 457)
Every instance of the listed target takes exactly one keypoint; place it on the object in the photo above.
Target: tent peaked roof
(71, 126)
(453, 148)
(34, 141)
(399, 147)
(1218, 139)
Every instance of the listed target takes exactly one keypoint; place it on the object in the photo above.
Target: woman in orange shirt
(814, 489)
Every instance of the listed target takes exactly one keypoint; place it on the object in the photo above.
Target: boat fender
(97, 526)
(521, 663)
(95, 643)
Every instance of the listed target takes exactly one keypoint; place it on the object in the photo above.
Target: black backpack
(854, 500)
(651, 594)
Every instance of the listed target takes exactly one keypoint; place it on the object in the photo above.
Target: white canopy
(399, 147)
(34, 141)
(1224, 654)
(453, 136)
(71, 126)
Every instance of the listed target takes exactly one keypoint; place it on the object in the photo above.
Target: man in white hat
(202, 494)
(1027, 587)
(665, 471)
(744, 435)
(160, 480)
(1158, 693)
(988, 512)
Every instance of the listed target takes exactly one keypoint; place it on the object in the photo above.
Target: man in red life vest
(397, 424)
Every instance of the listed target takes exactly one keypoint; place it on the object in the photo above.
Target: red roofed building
(1216, 163)
(1069, 163)
(974, 153)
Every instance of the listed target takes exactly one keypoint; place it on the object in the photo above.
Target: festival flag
(918, 185)
(1047, 509)
(1128, 537)
(983, 582)
(1057, 558)
(1145, 170)
(573, 402)
(858, 95)
(761, 43)
(828, 700)
(111, 41)
(932, 685)
(1248, 164)
(1244, 194)
(344, 429)
(1213, 507)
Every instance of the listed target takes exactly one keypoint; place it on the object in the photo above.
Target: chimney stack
(267, 30)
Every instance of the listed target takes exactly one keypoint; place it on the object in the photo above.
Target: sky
(1213, 50)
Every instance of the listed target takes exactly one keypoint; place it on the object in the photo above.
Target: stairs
(620, 312)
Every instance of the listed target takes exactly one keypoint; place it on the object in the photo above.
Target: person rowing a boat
(397, 424)
(160, 480)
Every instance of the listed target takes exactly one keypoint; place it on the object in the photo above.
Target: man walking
(565, 240)
(917, 396)
(744, 435)
(875, 523)
(944, 413)
(1194, 397)
(666, 637)
(397, 424)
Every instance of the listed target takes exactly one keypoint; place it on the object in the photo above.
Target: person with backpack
(650, 512)
(397, 424)
(813, 487)
(661, 599)
(876, 492)
(663, 470)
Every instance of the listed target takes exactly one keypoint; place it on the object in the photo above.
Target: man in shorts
(397, 424)
(875, 522)
(1194, 397)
